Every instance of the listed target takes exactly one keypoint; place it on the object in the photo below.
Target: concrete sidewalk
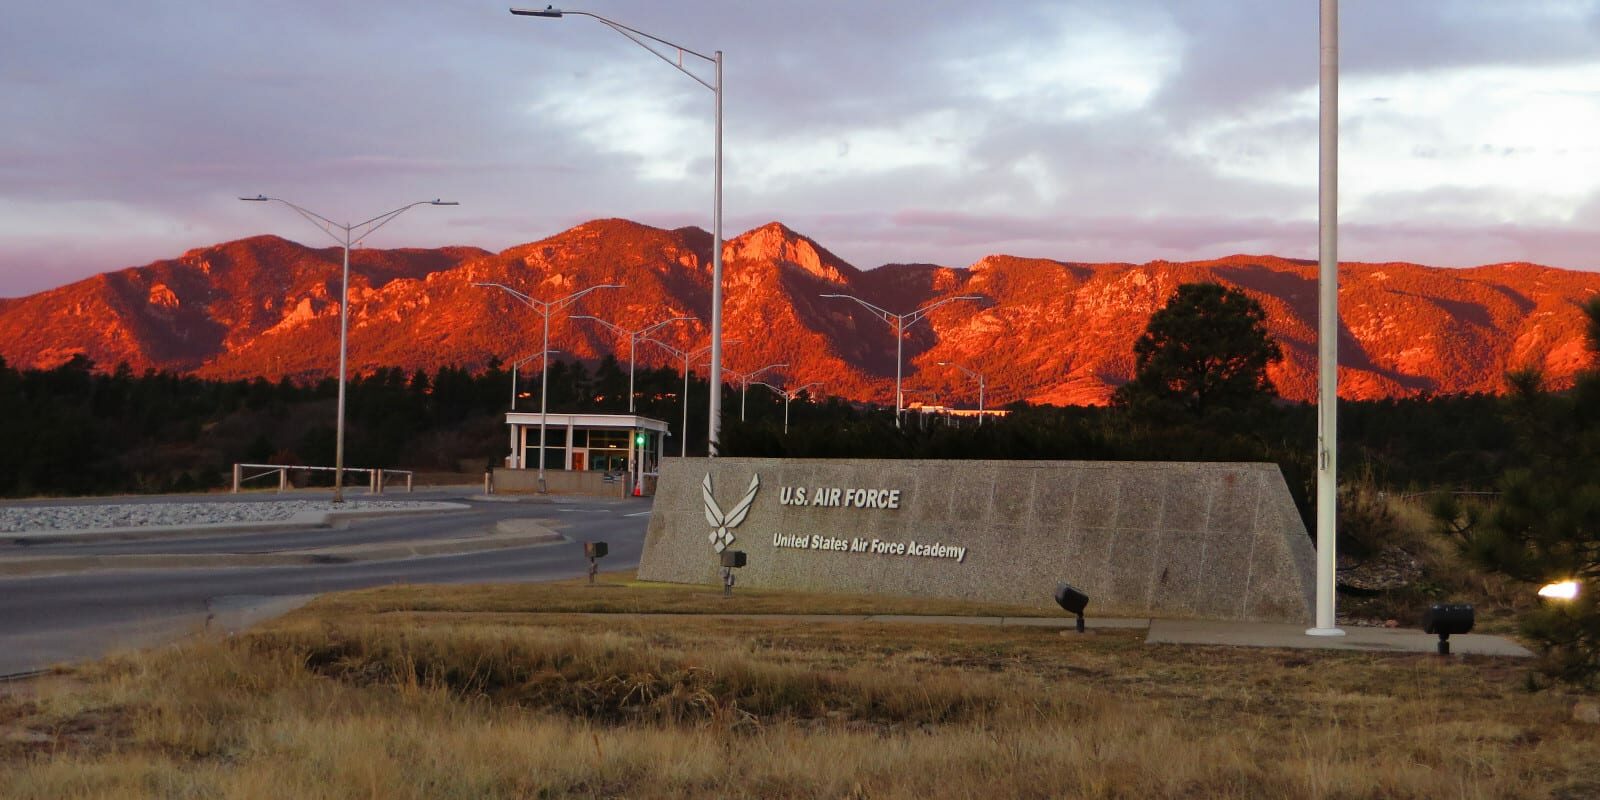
(1164, 631)
(1271, 634)
(238, 613)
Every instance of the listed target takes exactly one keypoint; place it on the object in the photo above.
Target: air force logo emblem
(722, 525)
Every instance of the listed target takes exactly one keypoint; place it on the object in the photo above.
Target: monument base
(1204, 540)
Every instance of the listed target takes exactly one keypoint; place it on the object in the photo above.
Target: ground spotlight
(1443, 619)
(592, 551)
(1560, 590)
(731, 560)
(1073, 601)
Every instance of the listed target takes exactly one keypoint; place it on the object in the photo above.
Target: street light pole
(787, 395)
(744, 384)
(970, 374)
(544, 308)
(689, 357)
(901, 322)
(348, 240)
(1328, 320)
(645, 40)
(633, 341)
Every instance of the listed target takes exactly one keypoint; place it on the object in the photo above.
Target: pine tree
(1545, 525)
(1203, 354)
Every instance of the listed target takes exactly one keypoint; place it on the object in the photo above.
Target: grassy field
(484, 692)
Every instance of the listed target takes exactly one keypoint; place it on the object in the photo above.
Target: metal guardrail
(377, 478)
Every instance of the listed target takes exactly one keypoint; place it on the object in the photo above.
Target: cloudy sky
(888, 130)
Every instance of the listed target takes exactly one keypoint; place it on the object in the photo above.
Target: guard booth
(598, 454)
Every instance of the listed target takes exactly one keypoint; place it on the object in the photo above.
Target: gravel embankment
(85, 517)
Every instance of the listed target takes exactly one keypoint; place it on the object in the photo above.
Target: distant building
(584, 453)
(959, 413)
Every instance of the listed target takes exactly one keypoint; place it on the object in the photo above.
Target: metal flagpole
(1328, 322)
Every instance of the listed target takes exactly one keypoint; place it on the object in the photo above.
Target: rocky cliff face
(1050, 331)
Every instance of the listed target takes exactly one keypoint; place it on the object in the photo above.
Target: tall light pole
(901, 322)
(745, 378)
(1327, 320)
(352, 235)
(787, 395)
(689, 357)
(970, 374)
(645, 40)
(544, 308)
(633, 341)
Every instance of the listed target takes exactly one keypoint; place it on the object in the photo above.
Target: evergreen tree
(1545, 525)
(1206, 351)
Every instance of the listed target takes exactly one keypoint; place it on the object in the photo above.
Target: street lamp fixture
(901, 322)
(544, 309)
(549, 11)
(633, 341)
(655, 45)
(347, 236)
(970, 374)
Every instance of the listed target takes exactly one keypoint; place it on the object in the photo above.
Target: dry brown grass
(367, 695)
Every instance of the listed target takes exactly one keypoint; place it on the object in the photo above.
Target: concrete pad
(684, 615)
(1091, 623)
(924, 619)
(821, 618)
(1260, 634)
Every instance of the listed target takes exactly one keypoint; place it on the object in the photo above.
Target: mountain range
(1046, 331)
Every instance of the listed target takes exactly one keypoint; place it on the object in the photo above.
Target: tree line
(78, 430)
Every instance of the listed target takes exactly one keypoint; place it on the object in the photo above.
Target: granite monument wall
(1207, 540)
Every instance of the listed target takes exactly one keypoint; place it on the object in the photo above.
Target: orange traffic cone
(638, 487)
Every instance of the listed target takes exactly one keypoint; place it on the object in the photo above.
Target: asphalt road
(51, 618)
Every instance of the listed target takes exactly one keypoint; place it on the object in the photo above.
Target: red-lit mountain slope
(1050, 331)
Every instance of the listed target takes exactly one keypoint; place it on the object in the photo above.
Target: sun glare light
(1560, 590)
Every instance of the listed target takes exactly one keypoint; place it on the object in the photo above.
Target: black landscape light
(731, 560)
(592, 551)
(1072, 600)
(1443, 619)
